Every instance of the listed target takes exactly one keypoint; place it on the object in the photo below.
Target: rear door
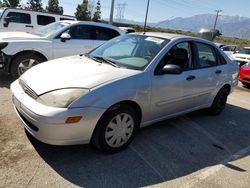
(208, 73)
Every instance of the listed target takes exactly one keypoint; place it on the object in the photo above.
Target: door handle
(191, 77)
(218, 72)
(29, 26)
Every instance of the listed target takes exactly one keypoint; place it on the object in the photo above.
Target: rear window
(45, 20)
(17, 17)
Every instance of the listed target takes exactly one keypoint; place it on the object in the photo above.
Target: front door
(81, 42)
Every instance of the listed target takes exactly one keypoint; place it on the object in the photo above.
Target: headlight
(3, 45)
(61, 98)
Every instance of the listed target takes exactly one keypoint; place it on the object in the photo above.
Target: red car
(244, 75)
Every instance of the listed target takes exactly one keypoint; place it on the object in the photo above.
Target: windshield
(50, 29)
(244, 51)
(131, 51)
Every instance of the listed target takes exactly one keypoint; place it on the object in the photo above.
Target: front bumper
(48, 125)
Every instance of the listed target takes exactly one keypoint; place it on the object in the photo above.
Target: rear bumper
(244, 76)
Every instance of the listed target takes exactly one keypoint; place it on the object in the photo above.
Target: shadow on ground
(5, 80)
(161, 152)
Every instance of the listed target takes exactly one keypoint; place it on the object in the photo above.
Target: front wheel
(21, 63)
(219, 102)
(116, 129)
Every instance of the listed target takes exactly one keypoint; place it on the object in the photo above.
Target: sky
(160, 10)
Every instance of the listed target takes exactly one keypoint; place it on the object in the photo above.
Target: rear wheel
(219, 102)
(116, 129)
(21, 63)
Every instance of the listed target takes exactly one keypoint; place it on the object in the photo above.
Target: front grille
(28, 90)
(28, 123)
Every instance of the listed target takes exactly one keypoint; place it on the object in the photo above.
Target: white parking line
(212, 170)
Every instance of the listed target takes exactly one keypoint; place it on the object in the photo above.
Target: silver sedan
(132, 81)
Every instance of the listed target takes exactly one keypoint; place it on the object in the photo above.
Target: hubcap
(25, 65)
(119, 130)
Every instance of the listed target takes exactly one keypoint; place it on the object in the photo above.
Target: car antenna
(146, 18)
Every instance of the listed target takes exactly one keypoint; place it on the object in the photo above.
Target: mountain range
(231, 26)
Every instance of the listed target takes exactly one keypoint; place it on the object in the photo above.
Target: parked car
(19, 50)
(229, 50)
(25, 20)
(128, 29)
(129, 82)
(242, 56)
(244, 75)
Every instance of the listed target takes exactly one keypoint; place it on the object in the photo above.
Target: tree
(11, 3)
(53, 7)
(35, 5)
(97, 13)
(82, 12)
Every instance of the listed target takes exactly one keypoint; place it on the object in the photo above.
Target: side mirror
(65, 36)
(170, 69)
(6, 21)
(235, 52)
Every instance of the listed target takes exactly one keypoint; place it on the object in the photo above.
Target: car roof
(93, 23)
(161, 35)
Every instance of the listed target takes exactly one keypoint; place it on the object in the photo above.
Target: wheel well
(227, 87)
(27, 52)
(133, 104)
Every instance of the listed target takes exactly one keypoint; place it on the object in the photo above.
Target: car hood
(72, 72)
(10, 36)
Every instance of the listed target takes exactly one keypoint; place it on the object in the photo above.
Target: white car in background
(242, 56)
(19, 51)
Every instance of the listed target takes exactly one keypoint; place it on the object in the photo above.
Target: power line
(216, 18)
(120, 10)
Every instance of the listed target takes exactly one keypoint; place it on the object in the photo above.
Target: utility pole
(216, 18)
(111, 12)
(146, 18)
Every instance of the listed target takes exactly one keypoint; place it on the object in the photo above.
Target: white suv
(12, 19)
(19, 51)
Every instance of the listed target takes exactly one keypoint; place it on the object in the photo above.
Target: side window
(221, 59)
(206, 55)
(102, 33)
(17, 17)
(81, 32)
(181, 55)
(45, 20)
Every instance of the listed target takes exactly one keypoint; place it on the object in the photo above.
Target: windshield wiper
(101, 59)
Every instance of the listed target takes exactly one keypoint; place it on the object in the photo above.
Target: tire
(247, 85)
(108, 125)
(219, 102)
(23, 62)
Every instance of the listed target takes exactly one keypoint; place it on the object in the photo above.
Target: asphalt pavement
(193, 150)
